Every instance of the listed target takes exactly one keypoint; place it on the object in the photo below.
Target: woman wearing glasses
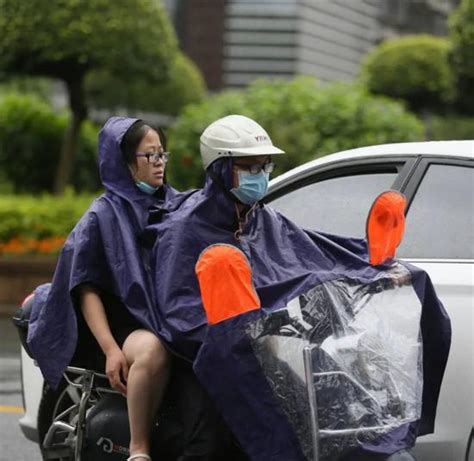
(136, 362)
(102, 281)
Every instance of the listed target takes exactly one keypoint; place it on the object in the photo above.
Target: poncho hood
(114, 172)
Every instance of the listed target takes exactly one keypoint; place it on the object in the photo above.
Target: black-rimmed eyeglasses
(154, 157)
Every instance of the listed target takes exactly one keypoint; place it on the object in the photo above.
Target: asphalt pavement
(13, 444)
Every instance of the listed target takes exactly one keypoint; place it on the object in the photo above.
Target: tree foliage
(461, 26)
(30, 142)
(413, 68)
(66, 39)
(184, 85)
(305, 118)
(61, 38)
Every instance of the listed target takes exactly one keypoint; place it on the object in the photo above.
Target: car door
(439, 239)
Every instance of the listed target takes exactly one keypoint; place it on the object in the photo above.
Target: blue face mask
(144, 187)
(252, 187)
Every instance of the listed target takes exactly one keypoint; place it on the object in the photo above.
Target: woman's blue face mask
(144, 187)
(252, 187)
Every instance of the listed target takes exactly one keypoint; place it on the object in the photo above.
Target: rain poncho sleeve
(365, 349)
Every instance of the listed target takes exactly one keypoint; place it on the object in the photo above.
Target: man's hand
(116, 368)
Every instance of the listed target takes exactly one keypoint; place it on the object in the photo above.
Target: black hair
(133, 137)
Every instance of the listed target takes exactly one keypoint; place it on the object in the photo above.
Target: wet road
(13, 445)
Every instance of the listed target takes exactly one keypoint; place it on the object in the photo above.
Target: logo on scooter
(110, 447)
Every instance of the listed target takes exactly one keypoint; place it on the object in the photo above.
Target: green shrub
(30, 140)
(461, 28)
(451, 127)
(303, 117)
(39, 86)
(25, 217)
(413, 68)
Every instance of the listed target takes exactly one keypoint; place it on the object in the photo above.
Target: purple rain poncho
(103, 249)
(286, 261)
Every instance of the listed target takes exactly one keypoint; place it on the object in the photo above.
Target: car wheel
(53, 403)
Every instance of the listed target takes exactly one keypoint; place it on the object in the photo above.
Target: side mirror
(385, 226)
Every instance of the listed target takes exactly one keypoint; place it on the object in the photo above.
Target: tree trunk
(77, 104)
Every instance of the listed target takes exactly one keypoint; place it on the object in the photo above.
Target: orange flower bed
(20, 246)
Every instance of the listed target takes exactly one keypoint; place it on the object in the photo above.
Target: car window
(440, 221)
(337, 205)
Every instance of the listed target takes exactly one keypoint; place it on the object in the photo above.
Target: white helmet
(235, 136)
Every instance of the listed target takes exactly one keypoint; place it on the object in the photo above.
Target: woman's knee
(145, 349)
(154, 355)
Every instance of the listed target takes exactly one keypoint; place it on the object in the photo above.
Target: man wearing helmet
(284, 262)
(251, 149)
(236, 153)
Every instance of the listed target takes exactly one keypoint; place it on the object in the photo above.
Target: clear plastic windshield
(363, 373)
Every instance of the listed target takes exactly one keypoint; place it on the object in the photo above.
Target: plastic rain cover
(365, 358)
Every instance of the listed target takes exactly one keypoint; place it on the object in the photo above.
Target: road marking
(11, 409)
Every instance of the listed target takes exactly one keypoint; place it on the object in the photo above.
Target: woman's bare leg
(147, 380)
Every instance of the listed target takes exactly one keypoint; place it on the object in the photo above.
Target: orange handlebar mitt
(225, 280)
(385, 226)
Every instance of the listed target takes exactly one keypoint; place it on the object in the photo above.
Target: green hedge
(305, 118)
(31, 134)
(28, 217)
(413, 68)
(38, 86)
(461, 56)
(451, 127)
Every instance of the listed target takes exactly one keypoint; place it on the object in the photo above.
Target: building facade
(234, 42)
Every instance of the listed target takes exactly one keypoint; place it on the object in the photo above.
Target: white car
(334, 194)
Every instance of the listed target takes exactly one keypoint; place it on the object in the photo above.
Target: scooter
(85, 419)
(325, 357)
